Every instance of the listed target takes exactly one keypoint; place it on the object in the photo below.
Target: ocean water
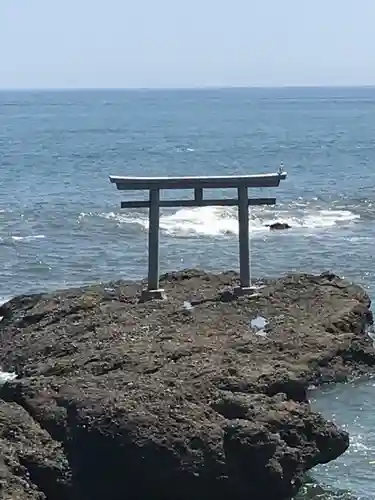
(60, 222)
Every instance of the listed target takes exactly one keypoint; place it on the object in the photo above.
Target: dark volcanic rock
(122, 399)
(32, 464)
(279, 225)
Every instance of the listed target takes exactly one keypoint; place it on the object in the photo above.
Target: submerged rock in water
(120, 398)
(279, 225)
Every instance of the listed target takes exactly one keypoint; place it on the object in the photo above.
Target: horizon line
(182, 88)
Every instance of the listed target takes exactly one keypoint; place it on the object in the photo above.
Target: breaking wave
(11, 240)
(28, 238)
(221, 221)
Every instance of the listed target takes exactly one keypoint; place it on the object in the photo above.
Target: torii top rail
(154, 203)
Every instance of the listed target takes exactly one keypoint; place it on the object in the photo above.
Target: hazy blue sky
(172, 43)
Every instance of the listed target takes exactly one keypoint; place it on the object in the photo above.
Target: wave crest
(222, 221)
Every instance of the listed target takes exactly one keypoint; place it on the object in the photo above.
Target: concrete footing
(240, 291)
(153, 295)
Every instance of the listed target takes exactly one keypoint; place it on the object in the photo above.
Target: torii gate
(154, 184)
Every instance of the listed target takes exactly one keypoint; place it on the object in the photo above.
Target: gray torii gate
(155, 184)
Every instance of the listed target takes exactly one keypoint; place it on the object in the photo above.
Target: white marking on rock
(259, 323)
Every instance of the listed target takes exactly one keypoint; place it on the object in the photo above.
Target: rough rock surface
(202, 395)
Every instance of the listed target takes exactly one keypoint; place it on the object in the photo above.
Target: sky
(178, 43)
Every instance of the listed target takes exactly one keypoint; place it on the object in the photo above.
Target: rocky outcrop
(202, 395)
(31, 462)
(279, 225)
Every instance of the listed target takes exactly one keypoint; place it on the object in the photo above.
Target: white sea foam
(220, 221)
(7, 377)
(28, 238)
(358, 443)
(185, 150)
(3, 300)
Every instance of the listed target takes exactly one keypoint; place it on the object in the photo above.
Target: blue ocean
(61, 222)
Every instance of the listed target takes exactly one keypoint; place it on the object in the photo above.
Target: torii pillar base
(153, 295)
(240, 291)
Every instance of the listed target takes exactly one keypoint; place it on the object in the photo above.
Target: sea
(61, 222)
